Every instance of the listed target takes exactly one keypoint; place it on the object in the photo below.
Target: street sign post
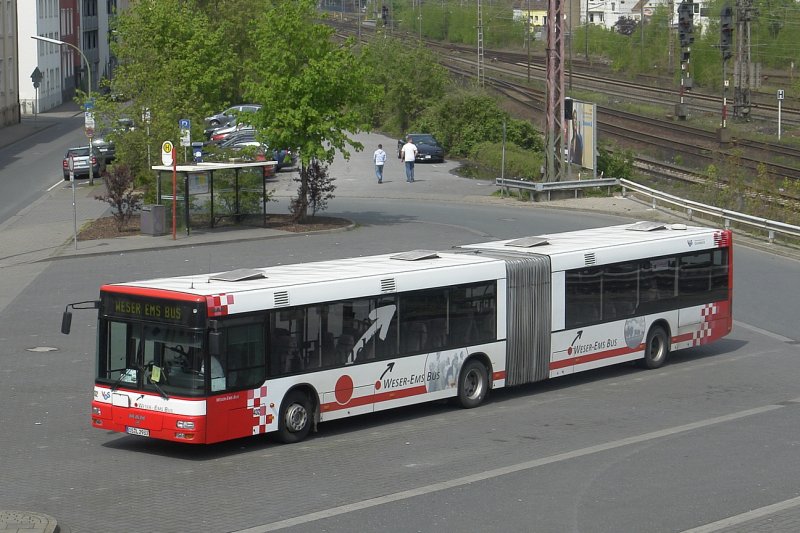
(168, 158)
(167, 153)
(71, 166)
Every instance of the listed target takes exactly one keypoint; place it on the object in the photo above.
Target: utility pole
(742, 66)
(528, 38)
(480, 45)
(554, 103)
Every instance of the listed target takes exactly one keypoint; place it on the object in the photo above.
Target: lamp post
(88, 86)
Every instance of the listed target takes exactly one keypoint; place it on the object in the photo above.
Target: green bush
(465, 118)
(519, 162)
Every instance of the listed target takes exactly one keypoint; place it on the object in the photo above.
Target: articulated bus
(204, 359)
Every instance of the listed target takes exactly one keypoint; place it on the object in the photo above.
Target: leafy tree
(319, 190)
(311, 88)
(120, 194)
(626, 25)
(409, 79)
(175, 59)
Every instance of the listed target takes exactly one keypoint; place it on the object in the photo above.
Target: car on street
(82, 161)
(428, 148)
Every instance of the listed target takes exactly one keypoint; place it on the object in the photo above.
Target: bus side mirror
(66, 322)
(215, 343)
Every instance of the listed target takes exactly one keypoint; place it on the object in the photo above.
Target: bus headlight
(96, 411)
(185, 424)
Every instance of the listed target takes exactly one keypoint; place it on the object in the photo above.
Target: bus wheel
(295, 418)
(472, 384)
(657, 348)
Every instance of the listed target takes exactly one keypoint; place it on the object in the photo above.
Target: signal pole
(743, 65)
(725, 45)
(685, 38)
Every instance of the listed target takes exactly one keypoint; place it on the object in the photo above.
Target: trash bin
(152, 219)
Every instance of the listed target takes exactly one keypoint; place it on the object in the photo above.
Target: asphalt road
(708, 438)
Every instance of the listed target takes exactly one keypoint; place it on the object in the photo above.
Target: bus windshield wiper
(122, 375)
(156, 385)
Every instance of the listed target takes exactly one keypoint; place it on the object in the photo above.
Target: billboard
(582, 135)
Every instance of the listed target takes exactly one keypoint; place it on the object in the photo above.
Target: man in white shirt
(379, 158)
(409, 155)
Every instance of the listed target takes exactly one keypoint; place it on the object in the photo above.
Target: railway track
(663, 139)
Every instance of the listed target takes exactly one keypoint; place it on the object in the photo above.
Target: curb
(15, 521)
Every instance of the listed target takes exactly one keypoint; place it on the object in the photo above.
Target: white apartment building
(39, 17)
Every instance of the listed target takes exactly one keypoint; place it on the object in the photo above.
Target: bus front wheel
(295, 418)
(472, 384)
(657, 348)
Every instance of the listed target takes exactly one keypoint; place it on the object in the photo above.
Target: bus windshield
(158, 358)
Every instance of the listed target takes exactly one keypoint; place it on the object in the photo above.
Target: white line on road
(746, 517)
(497, 472)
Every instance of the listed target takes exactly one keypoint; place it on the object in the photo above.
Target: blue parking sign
(185, 124)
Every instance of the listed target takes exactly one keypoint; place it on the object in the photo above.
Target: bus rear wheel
(656, 349)
(473, 383)
(295, 418)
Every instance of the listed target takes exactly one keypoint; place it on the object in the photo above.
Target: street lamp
(88, 84)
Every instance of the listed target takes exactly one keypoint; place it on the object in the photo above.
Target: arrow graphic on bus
(381, 318)
(578, 336)
(389, 368)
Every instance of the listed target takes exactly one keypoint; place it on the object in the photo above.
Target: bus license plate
(137, 431)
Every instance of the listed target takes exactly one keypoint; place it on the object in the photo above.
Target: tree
(175, 59)
(626, 25)
(411, 80)
(311, 87)
(120, 194)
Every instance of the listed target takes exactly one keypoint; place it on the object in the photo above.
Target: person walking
(409, 154)
(379, 158)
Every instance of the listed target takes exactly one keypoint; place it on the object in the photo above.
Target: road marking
(497, 472)
(764, 332)
(746, 517)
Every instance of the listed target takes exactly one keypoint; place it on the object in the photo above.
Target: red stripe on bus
(499, 375)
(683, 338)
(588, 358)
(152, 293)
(374, 398)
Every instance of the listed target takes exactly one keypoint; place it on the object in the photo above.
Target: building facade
(9, 69)
(83, 24)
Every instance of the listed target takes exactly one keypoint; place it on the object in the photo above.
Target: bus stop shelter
(208, 194)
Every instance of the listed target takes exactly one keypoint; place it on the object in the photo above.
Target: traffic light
(726, 32)
(685, 18)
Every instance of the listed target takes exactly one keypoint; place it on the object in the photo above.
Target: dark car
(80, 162)
(103, 140)
(428, 148)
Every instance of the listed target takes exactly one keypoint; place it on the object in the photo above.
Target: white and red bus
(203, 359)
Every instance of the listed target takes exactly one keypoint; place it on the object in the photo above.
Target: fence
(549, 186)
(770, 227)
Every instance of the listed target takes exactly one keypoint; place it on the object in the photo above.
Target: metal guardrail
(549, 186)
(771, 227)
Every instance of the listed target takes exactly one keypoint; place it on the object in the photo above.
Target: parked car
(81, 161)
(221, 134)
(428, 148)
(103, 139)
(228, 117)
